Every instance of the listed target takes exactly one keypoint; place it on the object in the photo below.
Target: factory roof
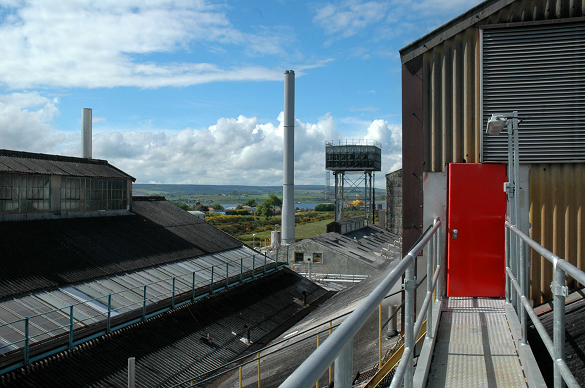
(170, 347)
(40, 254)
(370, 245)
(34, 163)
(301, 337)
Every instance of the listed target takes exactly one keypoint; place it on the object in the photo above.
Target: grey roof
(292, 353)
(364, 244)
(81, 249)
(451, 28)
(168, 349)
(32, 163)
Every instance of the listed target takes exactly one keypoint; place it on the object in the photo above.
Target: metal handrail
(556, 346)
(339, 346)
(174, 292)
(285, 339)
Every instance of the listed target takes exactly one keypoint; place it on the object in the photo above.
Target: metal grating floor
(474, 346)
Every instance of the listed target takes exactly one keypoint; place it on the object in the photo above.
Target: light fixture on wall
(495, 124)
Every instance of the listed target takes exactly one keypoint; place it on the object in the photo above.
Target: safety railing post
(264, 263)
(193, 288)
(380, 336)
(253, 266)
(438, 257)
(26, 342)
(318, 343)
(507, 236)
(344, 367)
(227, 276)
(144, 304)
(131, 372)
(241, 270)
(522, 279)
(109, 320)
(211, 281)
(430, 255)
(259, 375)
(330, 366)
(71, 347)
(287, 254)
(173, 295)
(559, 292)
(409, 290)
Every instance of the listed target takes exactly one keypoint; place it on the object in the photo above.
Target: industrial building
(350, 247)
(93, 276)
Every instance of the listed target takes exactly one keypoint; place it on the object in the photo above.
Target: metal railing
(296, 337)
(517, 286)
(338, 347)
(79, 319)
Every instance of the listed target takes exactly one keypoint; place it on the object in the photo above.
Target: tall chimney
(86, 133)
(288, 186)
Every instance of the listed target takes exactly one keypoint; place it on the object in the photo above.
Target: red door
(477, 211)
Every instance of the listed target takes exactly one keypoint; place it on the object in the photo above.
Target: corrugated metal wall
(452, 130)
(394, 202)
(557, 204)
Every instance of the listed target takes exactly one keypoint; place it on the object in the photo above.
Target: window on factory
(89, 194)
(23, 193)
(317, 257)
(299, 256)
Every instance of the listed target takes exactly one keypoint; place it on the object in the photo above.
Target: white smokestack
(86, 133)
(288, 186)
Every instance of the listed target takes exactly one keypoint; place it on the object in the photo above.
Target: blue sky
(192, 91)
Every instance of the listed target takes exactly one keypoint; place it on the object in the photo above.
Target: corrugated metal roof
(32, 163)
(452, 28)
(168, 349)
(366, 246)
(50, 253)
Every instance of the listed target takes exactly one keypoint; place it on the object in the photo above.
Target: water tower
(353, 163)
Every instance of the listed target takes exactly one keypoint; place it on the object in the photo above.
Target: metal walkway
(474, 346)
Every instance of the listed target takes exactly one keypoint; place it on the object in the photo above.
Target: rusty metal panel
(394, 202)
(412, 145)
(556, 213)
(452, 117)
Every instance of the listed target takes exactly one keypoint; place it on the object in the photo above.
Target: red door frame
(476, 208)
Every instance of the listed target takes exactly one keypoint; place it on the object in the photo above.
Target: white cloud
(238, 150)
(25, 122)
(69, 43)
(350, 17)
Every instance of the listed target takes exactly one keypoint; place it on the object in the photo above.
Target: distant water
(309, 206)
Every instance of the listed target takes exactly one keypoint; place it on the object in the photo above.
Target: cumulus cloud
(239, 150)
(25, 120)
(93, 44)
(350, 17)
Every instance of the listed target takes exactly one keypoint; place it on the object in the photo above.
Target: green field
(301, 231)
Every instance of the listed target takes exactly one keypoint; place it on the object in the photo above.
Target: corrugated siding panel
(451, 107)
(556, 214)
(540, 72)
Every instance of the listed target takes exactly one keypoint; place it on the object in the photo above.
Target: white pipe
(86, 146)
(288, 187)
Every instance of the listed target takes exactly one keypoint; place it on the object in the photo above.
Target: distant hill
(144, 189)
